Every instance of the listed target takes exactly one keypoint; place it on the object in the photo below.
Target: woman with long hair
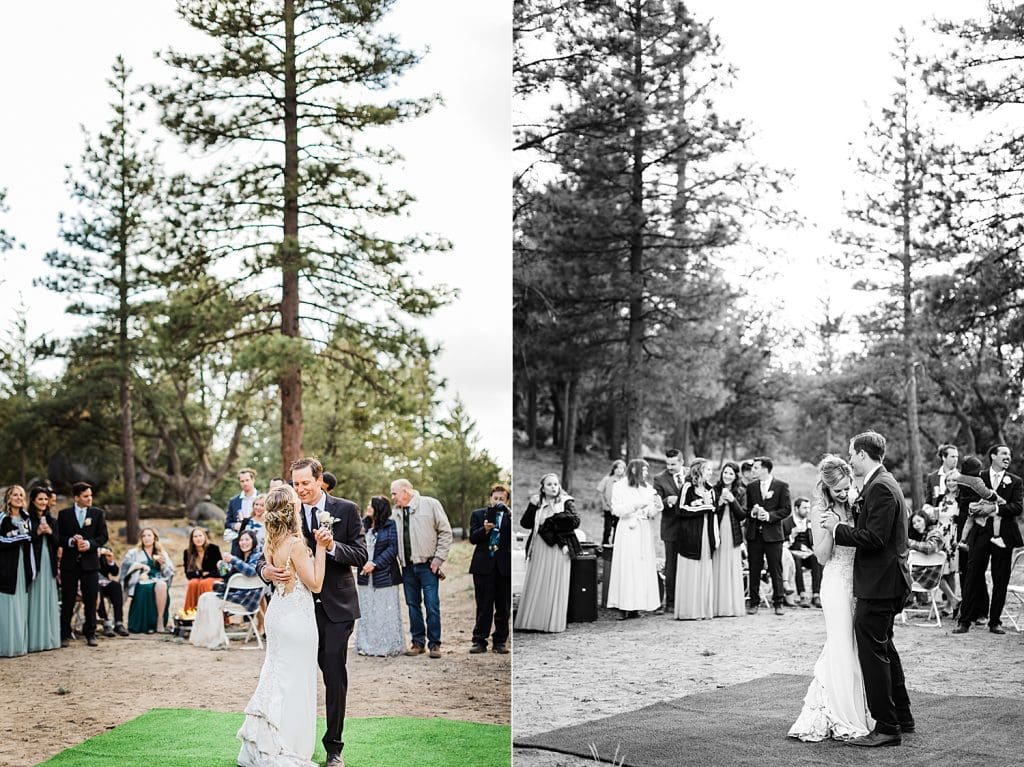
(633, 584)
(551, 518)
(379, 631)
(43, 605)
(696, 542)
(280, 718)
(604, 492)
(926, 536)
(201, 560)
(146, 573)
(726, 561)
(835, 705)
(16, 571)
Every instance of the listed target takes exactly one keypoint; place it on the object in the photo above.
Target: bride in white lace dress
(280, 719)
(835, 705)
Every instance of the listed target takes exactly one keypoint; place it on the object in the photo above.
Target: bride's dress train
(280, 722)
(835, 705)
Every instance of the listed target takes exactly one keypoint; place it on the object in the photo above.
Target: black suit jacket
(1010, 512)
(338, 592)
(483, 563)
(879, 534)
(779, 506)
(94, 531)
(671, 520)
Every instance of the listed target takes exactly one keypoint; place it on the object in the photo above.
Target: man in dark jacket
(81, 530)
(768, 503)
(490, 532)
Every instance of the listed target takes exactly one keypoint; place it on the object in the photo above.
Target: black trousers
(331, 656)
(111, 591)
(884, 684)
(70, 582)
(808, 563)
(493, 595)
(975, 593)
(757, 552)
(671, 562)
(610, 521)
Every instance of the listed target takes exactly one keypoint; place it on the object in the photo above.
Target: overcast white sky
(56, 57)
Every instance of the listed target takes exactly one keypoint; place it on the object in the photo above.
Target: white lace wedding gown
(835, 705)
(280, 720)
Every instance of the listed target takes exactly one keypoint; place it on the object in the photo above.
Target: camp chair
(1013, 611)
(917, 559)
(237, 582)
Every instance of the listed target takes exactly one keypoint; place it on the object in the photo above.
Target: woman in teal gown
(146, 574)
(43, 607)
(17, 568)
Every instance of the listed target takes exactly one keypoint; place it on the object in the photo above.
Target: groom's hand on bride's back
(276, 574)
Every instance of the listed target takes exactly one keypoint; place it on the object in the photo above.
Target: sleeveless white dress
(280, 720)
(835, 705)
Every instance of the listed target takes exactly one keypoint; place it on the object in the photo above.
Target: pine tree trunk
(291, 376)
(615, 435)
(569, 447)
(635, 337)
(531, 414)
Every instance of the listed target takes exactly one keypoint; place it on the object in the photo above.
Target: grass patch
(181, 737)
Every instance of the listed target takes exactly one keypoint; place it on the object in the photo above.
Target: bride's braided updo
(831, 471)
(279, 516)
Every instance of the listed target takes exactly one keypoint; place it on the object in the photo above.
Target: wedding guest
(424, 538)
(110, 590)
(200, 560)
(969, 478)
(604, 494)
(925, 536)
(490, 532)
(669, 487)
(146, 575)
(746, 472)
(935, 483)
(254, 524)
(544, 604)
(726, 562)
(698, 539)
(208, 624)
(768, 503)
(379, 631)
(43, 604)
(16, 570)
(800, 539)
(946, 512)
(243, 564)
(240, 506)
(633, 584)
(82, 529)
(328, 482)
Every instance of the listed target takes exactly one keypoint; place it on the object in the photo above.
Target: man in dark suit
(669, 486)
(935, 483)
(81, 530)
(490, 532)
(337, 604)
(800, 536)
(881, 582)
(1010, 490)
(768, 503)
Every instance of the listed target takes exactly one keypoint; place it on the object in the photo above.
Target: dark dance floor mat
(746, 724)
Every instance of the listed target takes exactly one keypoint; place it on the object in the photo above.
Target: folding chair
(1013, 611)
(917, 559)
(237, 582)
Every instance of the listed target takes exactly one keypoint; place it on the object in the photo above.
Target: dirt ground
(125, 677)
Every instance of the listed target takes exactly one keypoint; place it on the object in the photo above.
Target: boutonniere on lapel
(88, 521)
(325, 518)
(769, 494)
(1006, 480)
(858, 506)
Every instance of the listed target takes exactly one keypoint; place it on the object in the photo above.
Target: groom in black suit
(337, 604)
(81, 530)
(881, 582)
(1010, 489)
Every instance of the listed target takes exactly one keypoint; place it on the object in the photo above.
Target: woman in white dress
(633, 585)
(544, 605)
(280, 719)
(835, 705)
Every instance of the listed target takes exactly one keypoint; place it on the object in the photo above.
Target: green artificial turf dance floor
(173, 737)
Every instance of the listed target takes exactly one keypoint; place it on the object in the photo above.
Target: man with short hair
(746, 472)
(81, 531)
(490, 532)
(668, 485)
(935, 483)
(337, 605)
(801, 545)
(328, 482)
(424, 538)
(768, 503)
(1010, 489)
(240, 506)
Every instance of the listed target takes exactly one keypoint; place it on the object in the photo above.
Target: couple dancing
(858, 694)
(312, 542)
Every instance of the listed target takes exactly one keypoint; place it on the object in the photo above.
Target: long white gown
(835, 705)
(280, 720)
(633, 584)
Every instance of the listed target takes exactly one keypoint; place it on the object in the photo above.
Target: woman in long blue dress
(379, 631)
(43, 606)
(17, 568)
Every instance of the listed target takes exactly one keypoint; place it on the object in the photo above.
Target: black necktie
(406, 544)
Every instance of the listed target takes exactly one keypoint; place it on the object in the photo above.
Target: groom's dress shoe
(335, 760)
(907, 725)
(876, 738)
